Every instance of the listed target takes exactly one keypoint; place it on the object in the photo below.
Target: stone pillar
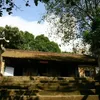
(2, 67)
(2, 49)
(2, 64)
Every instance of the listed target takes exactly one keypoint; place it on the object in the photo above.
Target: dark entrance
(42, 67)
(67, 69)
(64, 72)
(25, 66)
(42, 70)
(18, 71)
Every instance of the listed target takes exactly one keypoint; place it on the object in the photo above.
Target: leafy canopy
(42, 43)
(92, 37)
(84, 11)
(86, 14)
(26, 41)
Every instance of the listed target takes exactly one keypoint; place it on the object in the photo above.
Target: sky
(32, 13)
(26, 19)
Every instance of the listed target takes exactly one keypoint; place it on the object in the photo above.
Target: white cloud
(24, 25)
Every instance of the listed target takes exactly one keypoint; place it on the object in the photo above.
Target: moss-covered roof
(12, 53)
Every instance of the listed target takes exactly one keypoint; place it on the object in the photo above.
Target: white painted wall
(9, 71)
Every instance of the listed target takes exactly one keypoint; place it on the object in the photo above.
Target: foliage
(9, 5)
(36, 1)
(26, 41)
(63, 27)
(13, 35)
(92, 37)
(84, 11)
(87, 17)
(42, 43)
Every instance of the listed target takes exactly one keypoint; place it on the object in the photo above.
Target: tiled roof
(12, 53)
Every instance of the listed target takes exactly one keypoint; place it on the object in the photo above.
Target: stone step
(56, 97)
(7, 92)
(66, 92)
(47, 80)
(49, 85)
(44, 79)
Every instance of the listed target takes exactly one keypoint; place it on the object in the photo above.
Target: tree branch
(17, 7)
(96, 5)
(85, 12)
(86, 5)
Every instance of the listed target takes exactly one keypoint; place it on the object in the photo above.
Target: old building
(35, 63)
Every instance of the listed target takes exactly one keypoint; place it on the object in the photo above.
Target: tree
(17, 39)
(84, 11)
(53, 47)
(9, 5)
(26, 41)
(62, 26)
(13, 35)
(92, 37)
(42, 43)
(87, 15)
